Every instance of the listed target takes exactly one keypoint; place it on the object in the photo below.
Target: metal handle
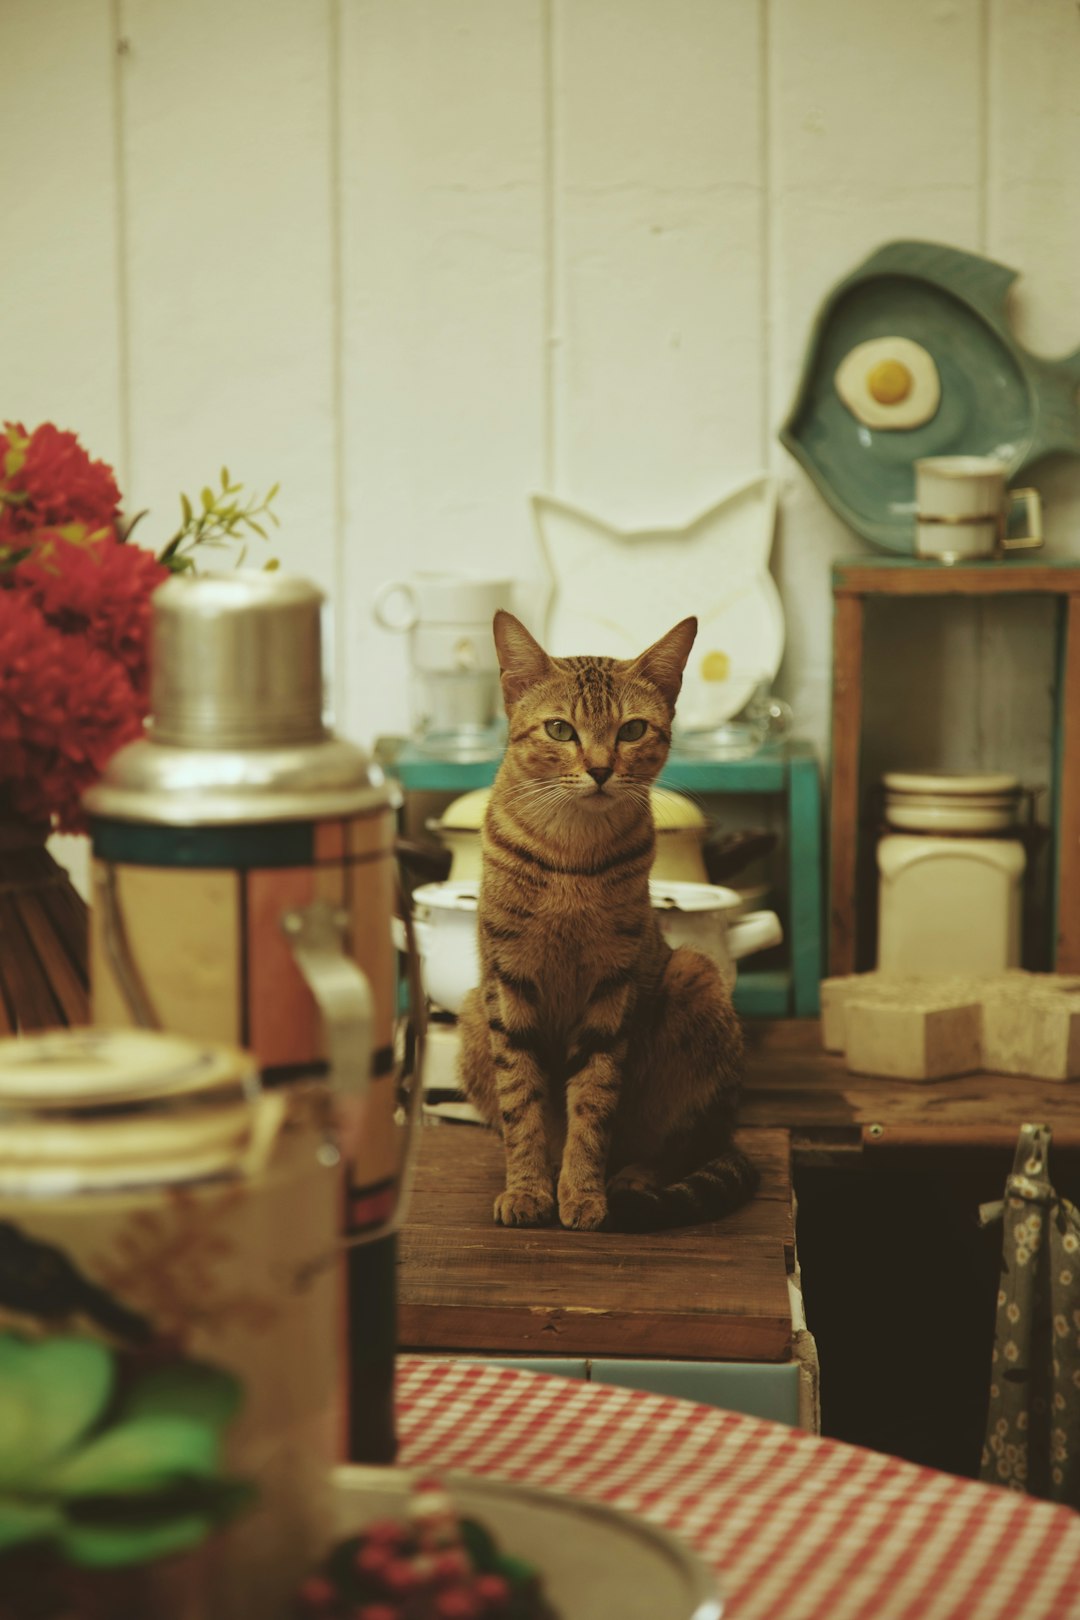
(409, 1112)
(316, 935)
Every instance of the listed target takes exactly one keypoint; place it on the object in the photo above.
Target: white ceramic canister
(244, 890)
(697, 914)
(156, 1200)
(950, 897)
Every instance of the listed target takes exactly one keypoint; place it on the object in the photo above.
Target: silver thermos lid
(236, 731)
(236, 661)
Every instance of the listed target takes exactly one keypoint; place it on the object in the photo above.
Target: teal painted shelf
(763, 995)
(764, 772)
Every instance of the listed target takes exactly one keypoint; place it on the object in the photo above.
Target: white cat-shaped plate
(616, 590)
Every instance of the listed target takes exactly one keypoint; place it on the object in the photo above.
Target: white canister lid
(97, 1110)
(940, 782)
(76, 1069)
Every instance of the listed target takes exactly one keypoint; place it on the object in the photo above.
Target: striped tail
(716, 1189)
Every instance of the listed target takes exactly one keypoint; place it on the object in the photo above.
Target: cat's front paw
(524, 1209)
(583, 1211)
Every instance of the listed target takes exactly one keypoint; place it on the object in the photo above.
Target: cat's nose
(599, 773)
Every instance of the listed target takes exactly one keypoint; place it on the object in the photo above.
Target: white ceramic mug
(455, 697)
(962, 509)
(440, 599)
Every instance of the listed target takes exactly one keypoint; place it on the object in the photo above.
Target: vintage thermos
(244, 889)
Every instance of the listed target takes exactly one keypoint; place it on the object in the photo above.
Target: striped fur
(609, 1062)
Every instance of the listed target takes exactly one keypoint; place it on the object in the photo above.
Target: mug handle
(1033, 539)
(384, 594)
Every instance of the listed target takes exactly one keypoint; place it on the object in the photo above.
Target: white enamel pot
(697, 914)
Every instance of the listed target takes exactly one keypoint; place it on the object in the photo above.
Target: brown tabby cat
(609, 1061)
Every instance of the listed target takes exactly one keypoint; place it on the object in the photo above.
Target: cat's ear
(522, 660)
(663, 663)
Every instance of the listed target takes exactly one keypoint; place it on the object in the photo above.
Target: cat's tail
(706, 1194)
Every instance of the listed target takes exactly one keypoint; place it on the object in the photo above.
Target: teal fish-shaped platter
(997, 398)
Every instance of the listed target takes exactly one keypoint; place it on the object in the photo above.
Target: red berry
(377, 1611)
(373, 1560)
(318, 1594)
(451, 1566)
(456, 1603)
(400, 1578)
(493, 1592)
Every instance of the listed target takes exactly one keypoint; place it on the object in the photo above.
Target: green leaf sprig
(221, 519)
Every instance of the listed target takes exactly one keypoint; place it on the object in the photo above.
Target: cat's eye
(632, 730)
(560, 730)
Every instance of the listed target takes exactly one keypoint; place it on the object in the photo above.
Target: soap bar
(1033, 1028)
(883, 989)
(927, 1035)
(837, 993)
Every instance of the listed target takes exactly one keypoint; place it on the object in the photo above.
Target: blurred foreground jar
(169, 1329)
(244, 887)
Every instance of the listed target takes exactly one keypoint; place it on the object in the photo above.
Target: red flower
(47, 479)
(99, 589)
(65, 708)
(74, 616)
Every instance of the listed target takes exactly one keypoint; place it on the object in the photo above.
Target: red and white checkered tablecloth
(799, 1528)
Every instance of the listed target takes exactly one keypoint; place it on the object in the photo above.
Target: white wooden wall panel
(59, 288)
(60, 303)
(444, 264)
(658, 254)
(874, 131)
(227, 113)
(417, 258)
(1033, 183)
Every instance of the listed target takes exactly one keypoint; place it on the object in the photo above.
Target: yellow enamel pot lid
(97, 1068)
(672, 812)
(942, 783)
(467, 813)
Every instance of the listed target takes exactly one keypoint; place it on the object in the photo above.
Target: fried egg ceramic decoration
(913, 354)
(889, 382)
(617, 590)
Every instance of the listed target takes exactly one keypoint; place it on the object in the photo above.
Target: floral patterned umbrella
(1033, 1425)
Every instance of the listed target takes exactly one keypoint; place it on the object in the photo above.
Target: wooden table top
(792, 1082)
(714, 1291)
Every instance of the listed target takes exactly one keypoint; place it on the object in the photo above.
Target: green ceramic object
(103, 1472)
(997, 399)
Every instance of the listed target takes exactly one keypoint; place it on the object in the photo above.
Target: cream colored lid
(467, 813)
(74, 1069)
(939, 782)
(672, 812)
(100, 1110)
